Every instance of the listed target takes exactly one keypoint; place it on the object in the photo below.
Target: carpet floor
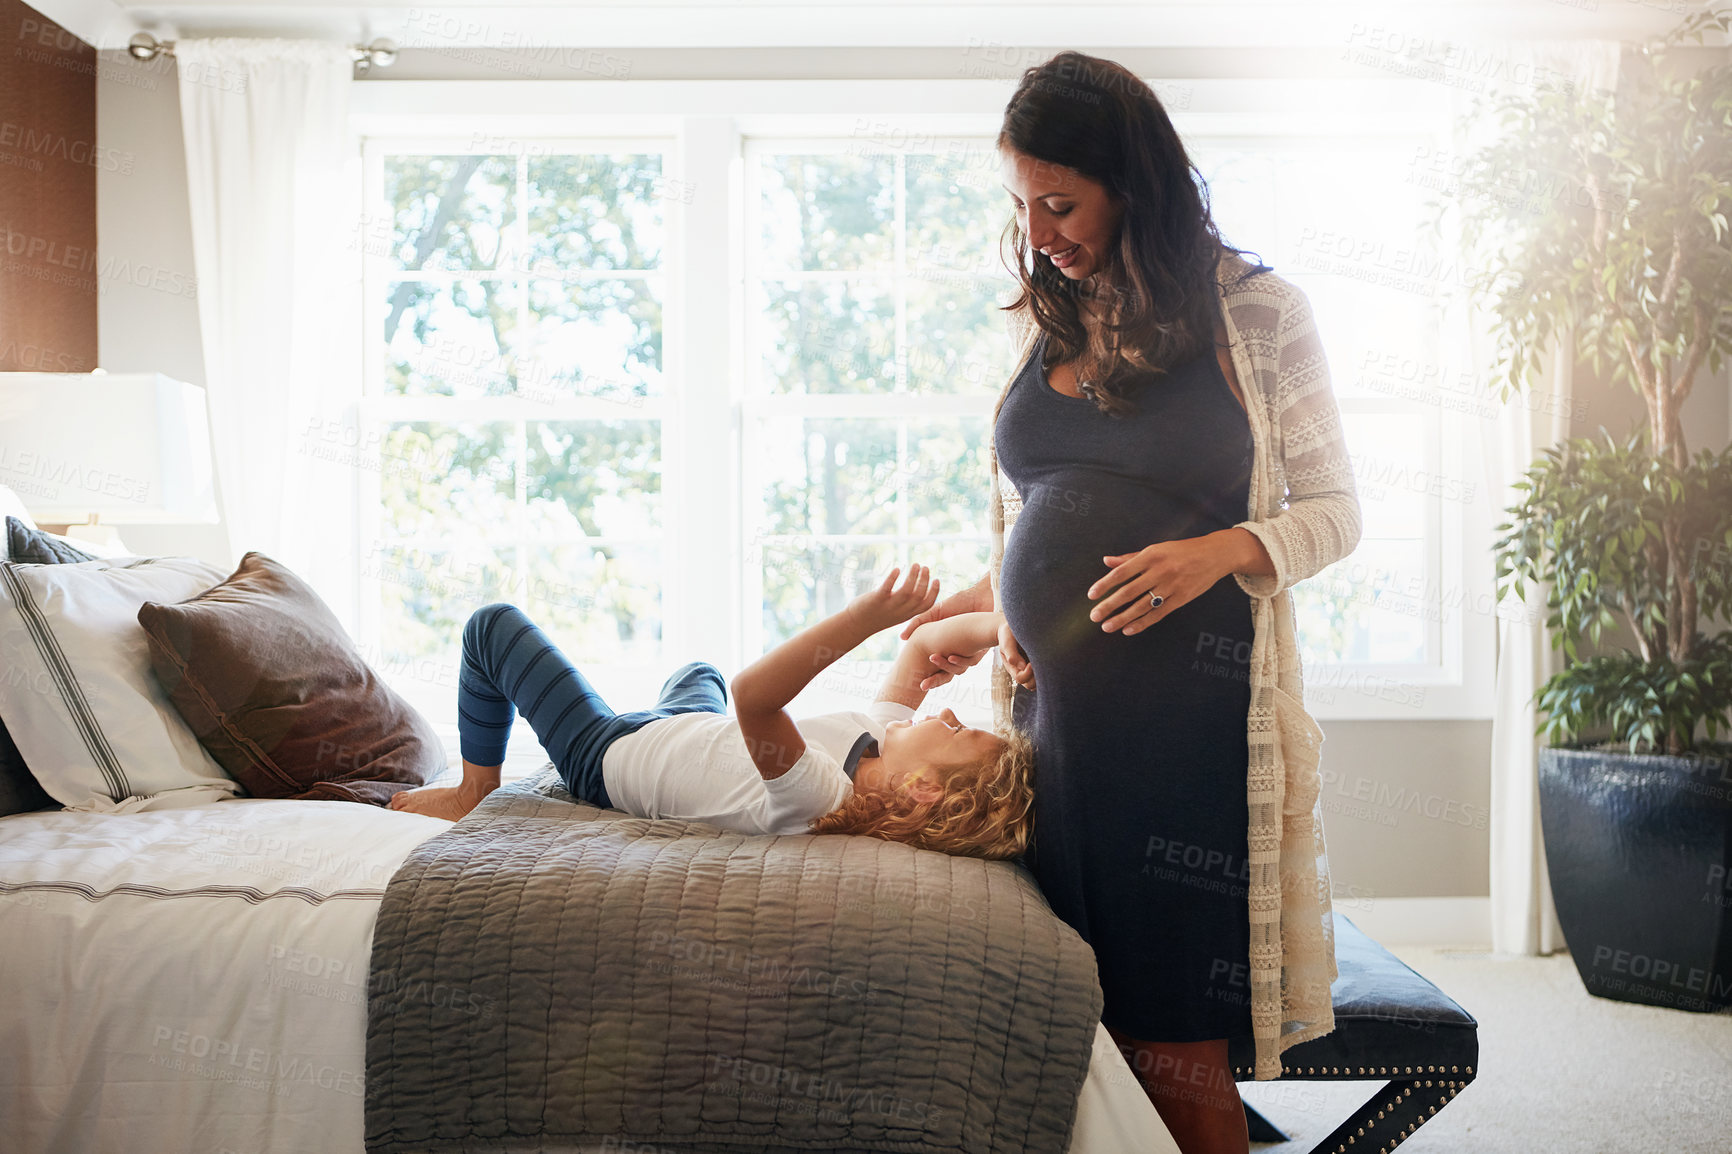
(1559, 1070)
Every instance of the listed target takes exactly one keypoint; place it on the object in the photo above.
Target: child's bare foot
(450, 802)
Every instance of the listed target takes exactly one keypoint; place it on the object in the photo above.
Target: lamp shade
(131, 448)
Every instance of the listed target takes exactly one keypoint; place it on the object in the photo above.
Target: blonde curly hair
(987, 810)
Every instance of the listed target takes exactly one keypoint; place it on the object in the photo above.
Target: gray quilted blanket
(546, 974)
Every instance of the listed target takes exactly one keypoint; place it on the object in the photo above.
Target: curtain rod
(381, 52)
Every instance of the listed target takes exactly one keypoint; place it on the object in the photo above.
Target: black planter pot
(1640, 852)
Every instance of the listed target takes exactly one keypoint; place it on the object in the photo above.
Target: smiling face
(1069, 218)
(913, 755)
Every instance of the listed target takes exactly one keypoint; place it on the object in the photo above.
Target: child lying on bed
(935, 783)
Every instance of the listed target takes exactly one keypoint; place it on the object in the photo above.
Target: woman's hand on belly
(1179, 571)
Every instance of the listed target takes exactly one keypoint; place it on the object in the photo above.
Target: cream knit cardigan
(1304, 508)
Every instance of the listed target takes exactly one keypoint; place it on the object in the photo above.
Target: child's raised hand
(892, 604)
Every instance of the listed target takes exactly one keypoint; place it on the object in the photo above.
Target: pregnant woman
(1169, 394)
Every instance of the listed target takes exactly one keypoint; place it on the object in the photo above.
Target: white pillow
(77, 693)
(12, 506)
(96, 548)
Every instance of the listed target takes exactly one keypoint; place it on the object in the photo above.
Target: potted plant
(1603, 215)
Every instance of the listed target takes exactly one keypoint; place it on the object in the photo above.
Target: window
(875, 349)
(1346, 223)
(678, 427)
(514, 397)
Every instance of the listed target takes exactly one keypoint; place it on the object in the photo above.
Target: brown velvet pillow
(272, 686)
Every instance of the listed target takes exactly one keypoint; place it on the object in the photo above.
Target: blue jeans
(510, 665)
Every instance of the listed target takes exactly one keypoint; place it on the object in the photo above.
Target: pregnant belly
(1053, 554)
(1043, 585)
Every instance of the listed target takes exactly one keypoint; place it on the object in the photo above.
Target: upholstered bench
(1390, 1024)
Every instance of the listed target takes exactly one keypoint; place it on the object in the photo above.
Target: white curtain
(272, 176)
(1523, 919)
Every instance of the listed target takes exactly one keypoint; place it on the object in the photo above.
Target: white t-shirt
(694, 766)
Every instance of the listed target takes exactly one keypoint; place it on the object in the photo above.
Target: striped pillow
(77, 692)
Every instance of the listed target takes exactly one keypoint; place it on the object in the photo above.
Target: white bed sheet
(194, 980)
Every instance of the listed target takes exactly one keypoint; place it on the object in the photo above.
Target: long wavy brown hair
(987, 809)
(1156, 291)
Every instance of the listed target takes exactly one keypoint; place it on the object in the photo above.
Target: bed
(192, 947)
(196, 979)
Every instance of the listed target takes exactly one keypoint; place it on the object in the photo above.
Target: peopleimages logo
(761, 970)
(784, 1086)
(1399, 799)
(45, 259)
(31, 357)
(59, 146)
(65, 474)
(228, 1059)
(517, 49)
(1662, 978)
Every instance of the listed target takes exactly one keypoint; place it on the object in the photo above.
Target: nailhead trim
(1364, 1070)
(1453, 1087)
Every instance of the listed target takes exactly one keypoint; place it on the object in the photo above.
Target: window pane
(833, 212)
(575, 536)
(956, 337)
(850, 475)
(957, 213)
(449, 212)
(912, 477)
(443, 481)
(956, 564)
(427, 595)
(599, 603)
(1398, 362)
(1389, 454)
(1370, 606)
(807, 579)
(450, 340)
(1366, 327)
(596, 212)
(830, 476)
(598, 338)
(1241, 195)
(827, 336)
(805, 582)
(1353, 239)
(594, 479)
(830, 336)
(854, 680)
(944, 476)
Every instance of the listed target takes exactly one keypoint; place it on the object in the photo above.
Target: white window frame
(706, 410)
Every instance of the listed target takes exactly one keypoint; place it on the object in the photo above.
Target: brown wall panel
(49, 274)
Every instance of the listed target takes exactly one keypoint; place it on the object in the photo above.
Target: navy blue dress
(1140, 819)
